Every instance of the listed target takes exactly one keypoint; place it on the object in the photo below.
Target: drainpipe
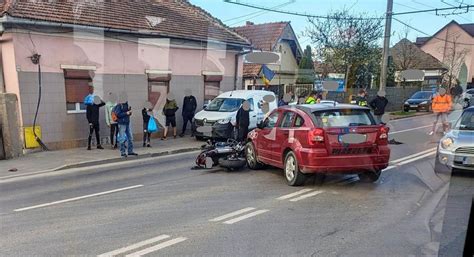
(237, 66)
(2, 80)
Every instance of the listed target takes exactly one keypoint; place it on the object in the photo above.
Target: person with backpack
(147, 114)
(169, 110)
(189, 107)
(92, 114)
(378, 104)
(109, 119)
(123, 112)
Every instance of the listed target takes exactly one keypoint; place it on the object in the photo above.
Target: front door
(267, 138)
(284, 132)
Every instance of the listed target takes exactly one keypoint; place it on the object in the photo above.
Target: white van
(221, 112)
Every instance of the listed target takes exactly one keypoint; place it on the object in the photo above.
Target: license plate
(413, 106)
(352, 138)
(464, 160)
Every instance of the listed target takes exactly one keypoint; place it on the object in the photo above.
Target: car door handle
(254, 116)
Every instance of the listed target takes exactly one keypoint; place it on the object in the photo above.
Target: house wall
(289, 66)
(438, 47)
(120, 66)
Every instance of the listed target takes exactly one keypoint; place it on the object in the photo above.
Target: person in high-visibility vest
(312, 98)
(361, 98)
(441, 106)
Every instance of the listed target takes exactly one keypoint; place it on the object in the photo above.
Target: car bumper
(416, 107)
(218, 131)
(448, 160)
(316, 161)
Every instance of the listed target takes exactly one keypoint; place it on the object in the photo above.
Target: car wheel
(251, 157)
(370, 176)
(293, 175)
(406, 110)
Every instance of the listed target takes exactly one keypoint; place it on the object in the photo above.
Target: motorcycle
(229, 155)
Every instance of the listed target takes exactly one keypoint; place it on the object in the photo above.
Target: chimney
(249, 23)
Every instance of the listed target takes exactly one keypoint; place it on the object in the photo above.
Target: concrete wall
(11, 137)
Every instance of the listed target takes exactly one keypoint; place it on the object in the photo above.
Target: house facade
(276, 37)
(146, 51)
(453, 45)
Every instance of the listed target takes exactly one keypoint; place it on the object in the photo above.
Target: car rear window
(343, 118)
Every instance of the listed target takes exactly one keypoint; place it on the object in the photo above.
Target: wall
(12, 144)
(288, 65)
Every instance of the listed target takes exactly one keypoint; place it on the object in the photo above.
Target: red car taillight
(316, 137)
(383, 135)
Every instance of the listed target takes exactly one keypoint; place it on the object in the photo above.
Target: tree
(347, 42)
(306, 67)
(454, 58)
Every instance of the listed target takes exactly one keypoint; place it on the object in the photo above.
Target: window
(343, 118)
(272, 120)
(287, 120)
(299, 121)
(212, 86)
(77, 87)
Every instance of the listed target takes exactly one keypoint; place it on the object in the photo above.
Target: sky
(428, 23)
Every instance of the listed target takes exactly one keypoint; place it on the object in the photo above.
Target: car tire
(293, 175)
(251, 157)
(370, 176)
(406, 110)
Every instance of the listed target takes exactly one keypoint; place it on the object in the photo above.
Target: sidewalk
(80, 157)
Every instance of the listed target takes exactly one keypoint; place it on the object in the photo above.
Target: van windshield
(224, 105)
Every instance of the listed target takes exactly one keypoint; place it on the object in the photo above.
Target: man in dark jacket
(123, 112)
(189, 107)
(92, 113)
(243, 121)
(378, 104)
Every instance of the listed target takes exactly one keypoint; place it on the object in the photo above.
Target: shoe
(144, 145)
(148, 145)
(100, 147)
(163, 138)
(133, 154)
(89, 148)
(114, 147)
(124, 155)
(181, 135)
(431, 133)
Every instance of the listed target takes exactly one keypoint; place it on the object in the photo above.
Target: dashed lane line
(134, 246)
(246, 216)
(157, 247)
(306, 196)
(284, 197)
(232, 214)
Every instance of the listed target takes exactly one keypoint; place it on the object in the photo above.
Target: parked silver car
(456, 148)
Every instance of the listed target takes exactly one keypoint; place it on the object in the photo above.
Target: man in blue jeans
(123, 112)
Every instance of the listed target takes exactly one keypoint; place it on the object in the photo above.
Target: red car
(320, 138)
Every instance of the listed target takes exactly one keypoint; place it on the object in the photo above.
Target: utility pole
(386, 45)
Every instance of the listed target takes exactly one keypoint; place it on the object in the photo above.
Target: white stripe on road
(412, 156)
(306, 196)
(134, 246)
(405, 130)
(232, 214)
(246, 216)
(76, 198)
(157, 247)
(410, 160)
(284, 197)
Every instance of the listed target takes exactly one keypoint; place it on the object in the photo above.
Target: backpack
(114, 114)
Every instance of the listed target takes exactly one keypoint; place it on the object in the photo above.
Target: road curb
(105, 161)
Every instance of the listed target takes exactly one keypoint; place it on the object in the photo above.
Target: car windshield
(421, 95)
(466, 122)
(224, 105)
(343, 118)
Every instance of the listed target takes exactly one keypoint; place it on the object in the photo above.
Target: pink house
(148, 49)
(453, 45)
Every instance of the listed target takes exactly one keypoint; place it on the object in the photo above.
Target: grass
(402, 113)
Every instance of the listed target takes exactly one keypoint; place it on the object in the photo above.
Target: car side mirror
(261, 124)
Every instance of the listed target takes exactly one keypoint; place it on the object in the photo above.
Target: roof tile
(262, 36)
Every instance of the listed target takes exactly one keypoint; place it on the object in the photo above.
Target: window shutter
(77, 85)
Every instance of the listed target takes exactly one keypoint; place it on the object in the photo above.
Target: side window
(287, 120)
(272, 120)
(299, 121)
(250, 100)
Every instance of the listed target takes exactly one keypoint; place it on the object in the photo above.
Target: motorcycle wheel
(232, 164)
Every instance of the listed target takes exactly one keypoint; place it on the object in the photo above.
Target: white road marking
(306, 196)
(412, 156)
(410, 160)
(284, 197)
(76, 198)
(134, 246)
(246, 216)
(405, 130)
(157, 247)
(232, 214)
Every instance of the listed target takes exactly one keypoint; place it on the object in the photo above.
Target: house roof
(262, 36)
(251, 70)
(166, 18)
(421, 40)
(405, 53)
(468, 28)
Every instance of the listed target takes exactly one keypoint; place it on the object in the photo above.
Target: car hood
(213, 116)
(462, 137)
(416, 101)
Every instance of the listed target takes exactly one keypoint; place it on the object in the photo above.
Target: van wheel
(370, 176)
(293, 175)
(251, 157)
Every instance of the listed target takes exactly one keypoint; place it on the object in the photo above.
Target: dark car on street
(320, 138)
(419, 101)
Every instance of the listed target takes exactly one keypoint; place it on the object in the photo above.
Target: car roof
(310, 108)
(245, 93)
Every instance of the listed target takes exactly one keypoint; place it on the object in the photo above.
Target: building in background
(148, 49)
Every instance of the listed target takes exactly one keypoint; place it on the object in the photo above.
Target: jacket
(361, 101)
(242, 118)
(92, 112)
(441, 103)
(311, 100)
(170, 108)
(189, 105)
(145, 115)
(378, 104)
(109, 106)
(121, 111)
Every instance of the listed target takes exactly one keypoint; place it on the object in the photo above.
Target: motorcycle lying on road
(229, 155)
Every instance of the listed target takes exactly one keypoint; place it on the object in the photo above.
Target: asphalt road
(167, 209)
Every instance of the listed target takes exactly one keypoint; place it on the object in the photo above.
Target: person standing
(189, 108)
(441, 105)
(123, 112)
(109, 106)
(378, 104)
(92, 114)
(312, 98)
(169, 110)
(243, 121)
(361, 99)
(147, 113)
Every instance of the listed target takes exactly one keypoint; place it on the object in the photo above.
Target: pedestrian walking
(189, 108)
(441, 105)
(243, 121)
(169, 110)
(378, 104)
(361, 98)
(147, 114)
(109, 106)
(92, 114)
(123, 112)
